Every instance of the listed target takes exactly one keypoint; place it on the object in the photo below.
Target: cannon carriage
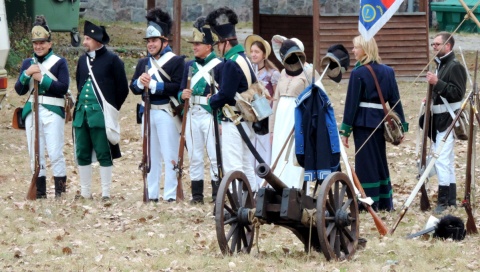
(327, 222)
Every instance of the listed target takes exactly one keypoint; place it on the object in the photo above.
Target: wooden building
(403, 42)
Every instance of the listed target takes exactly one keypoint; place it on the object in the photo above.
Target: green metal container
(61, 15)
(450, 14)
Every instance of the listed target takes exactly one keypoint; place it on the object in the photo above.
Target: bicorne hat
(40, 30)
(338, 60)
(223, 21)
(202, 32)
(159, 24)
(95, 32)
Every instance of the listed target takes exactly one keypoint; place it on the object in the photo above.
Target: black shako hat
(202, 32)
(223, 21)
(159, 24)
(338, 60)
(95, 32)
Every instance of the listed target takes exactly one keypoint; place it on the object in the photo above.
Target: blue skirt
(372, 168)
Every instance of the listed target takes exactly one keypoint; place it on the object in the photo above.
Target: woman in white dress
(294, 78)
(258, 50)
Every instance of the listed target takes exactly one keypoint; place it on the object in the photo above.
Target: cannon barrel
(264, 171)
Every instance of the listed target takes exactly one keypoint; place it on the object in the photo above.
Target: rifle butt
(424, 202)
(470, 225)
(32, 189)
(180, 197)
(381, 227)
(399, 219)
(145, 189)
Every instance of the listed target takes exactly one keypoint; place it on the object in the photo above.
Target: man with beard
(449, 84)
(99, 72)
(51, 73)
(199, 128)
(163, 81)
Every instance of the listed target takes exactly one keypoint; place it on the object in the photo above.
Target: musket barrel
(264, 171)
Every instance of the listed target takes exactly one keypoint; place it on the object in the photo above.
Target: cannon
(333, 212)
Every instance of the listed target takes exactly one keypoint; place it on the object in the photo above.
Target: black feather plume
(222, 16)
(159, 16)
(199, 23)
(41, 21)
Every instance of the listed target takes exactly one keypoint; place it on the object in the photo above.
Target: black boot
(197, 192)
(215, 185)
(452, 195)
(442, 202)
(41, 187)
(59, 185)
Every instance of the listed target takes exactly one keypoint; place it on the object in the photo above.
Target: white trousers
(264, 148)
(445, 162)
(235, 153)
(199, 133)
(51, 138)
(164, 142)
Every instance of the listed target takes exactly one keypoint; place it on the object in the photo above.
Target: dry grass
(68, 235)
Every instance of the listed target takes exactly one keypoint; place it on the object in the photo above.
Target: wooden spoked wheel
(337, 217)
(234, 201)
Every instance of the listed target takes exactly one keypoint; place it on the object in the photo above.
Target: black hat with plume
(40, 30)
(159, 24)
(223, 21)
(202, 32)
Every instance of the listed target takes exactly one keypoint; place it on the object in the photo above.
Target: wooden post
(177, 26)
(256, 16)
(150, 4)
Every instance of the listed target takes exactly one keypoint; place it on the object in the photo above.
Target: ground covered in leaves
(127, 235)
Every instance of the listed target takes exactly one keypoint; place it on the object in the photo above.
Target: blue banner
(374, 14)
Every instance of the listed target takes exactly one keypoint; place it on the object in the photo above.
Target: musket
(470, 225)
(381, 227)
(218, 146)
(178, 166)
(424, 202)
(32, 189)
(146, 158)
(430, 165)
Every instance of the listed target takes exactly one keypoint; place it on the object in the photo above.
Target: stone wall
(135, 10)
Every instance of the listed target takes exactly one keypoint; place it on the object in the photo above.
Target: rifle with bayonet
(424, 202)
(178, 166)
(470, 225)
(146, 158)
(32, 189)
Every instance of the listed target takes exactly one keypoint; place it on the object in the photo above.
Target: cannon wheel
(337, 217)
(234, 199)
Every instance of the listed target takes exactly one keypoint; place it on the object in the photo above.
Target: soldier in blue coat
(89, 123)
(165, 70)
(51, 72)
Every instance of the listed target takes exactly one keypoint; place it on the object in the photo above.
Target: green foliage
(20, 44)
